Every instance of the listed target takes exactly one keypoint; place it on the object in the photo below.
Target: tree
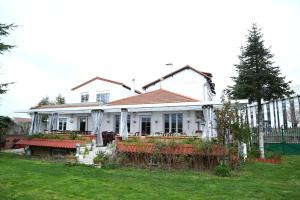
(60, 99)
(4, 31)
(5, 124)
(258, 79)
(46, 101)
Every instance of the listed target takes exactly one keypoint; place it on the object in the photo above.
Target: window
(84, 98)
(173, 123)
(117, 123)
(62, 124)
(102, 97)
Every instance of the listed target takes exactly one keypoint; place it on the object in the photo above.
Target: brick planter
(179, 149)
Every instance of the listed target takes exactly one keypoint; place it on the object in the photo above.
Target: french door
(145, 125)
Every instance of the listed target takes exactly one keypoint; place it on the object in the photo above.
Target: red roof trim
(106, 80)
(205, 74)
(66, 144)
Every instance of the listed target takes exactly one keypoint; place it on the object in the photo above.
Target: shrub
(254, 152)
(222, 170)
(73, 136)
(101, 158)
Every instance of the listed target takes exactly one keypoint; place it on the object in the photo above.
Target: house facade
(103, 105)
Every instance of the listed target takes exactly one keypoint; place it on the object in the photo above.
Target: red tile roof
(154, 97)
(207, 75)
(106, 80)
(67, 144)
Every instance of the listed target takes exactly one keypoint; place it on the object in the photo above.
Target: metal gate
(283, 141)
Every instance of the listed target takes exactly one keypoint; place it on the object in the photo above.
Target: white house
(106, 105)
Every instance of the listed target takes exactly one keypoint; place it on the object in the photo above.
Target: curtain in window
(54, 121)
(35, 123)
(97, 116)
(33, 120)
(50, 121)
(123, 124)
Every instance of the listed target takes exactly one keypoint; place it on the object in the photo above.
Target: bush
(101, 158)
(253, 153)
(222, 170)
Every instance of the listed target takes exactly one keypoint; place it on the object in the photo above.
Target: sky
(60, 44)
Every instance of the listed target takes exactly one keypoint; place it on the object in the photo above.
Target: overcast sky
(63, 43)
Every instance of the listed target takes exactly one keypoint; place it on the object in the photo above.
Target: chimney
(133, 86)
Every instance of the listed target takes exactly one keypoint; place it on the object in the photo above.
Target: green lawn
(34, 179)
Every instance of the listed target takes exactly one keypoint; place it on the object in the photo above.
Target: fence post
(282, 141)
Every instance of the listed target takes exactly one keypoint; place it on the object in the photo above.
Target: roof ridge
(103, 79)
(205, 74)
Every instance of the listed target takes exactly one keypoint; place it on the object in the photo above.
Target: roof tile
(154, 97)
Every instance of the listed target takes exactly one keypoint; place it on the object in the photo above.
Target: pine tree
(258, 79)
(4, 31)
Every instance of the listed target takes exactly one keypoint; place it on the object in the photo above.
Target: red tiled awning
(67, 144)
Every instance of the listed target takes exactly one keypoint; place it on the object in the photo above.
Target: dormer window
(102, 97)
(84, 98)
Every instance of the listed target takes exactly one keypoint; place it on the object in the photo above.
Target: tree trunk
(260, 130)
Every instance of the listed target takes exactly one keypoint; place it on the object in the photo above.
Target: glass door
(83, 124)
(145, 125)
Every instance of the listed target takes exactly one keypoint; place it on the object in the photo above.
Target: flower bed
(265, 160)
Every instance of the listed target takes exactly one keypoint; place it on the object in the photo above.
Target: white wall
(186, 82)
(157, 121)
(98, 86)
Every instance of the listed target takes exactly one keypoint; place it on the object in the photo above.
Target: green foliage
(257, 77)
(241, 132)
(60, 99)
(46, 101)
(73, 136)
(4, 31)
(5, 123)
(101, 158)
(225, 116)
(222, 170)
(254, 152)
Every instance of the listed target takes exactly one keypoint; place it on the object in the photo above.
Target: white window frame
(86, 99)
(64, 120)
(102, 96)
(170, 122)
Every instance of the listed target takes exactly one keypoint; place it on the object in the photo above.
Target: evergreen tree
(60, 99)
(45, 101)
(4, 31)
(258, 79)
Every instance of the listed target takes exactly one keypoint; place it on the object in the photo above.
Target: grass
(22, 178)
